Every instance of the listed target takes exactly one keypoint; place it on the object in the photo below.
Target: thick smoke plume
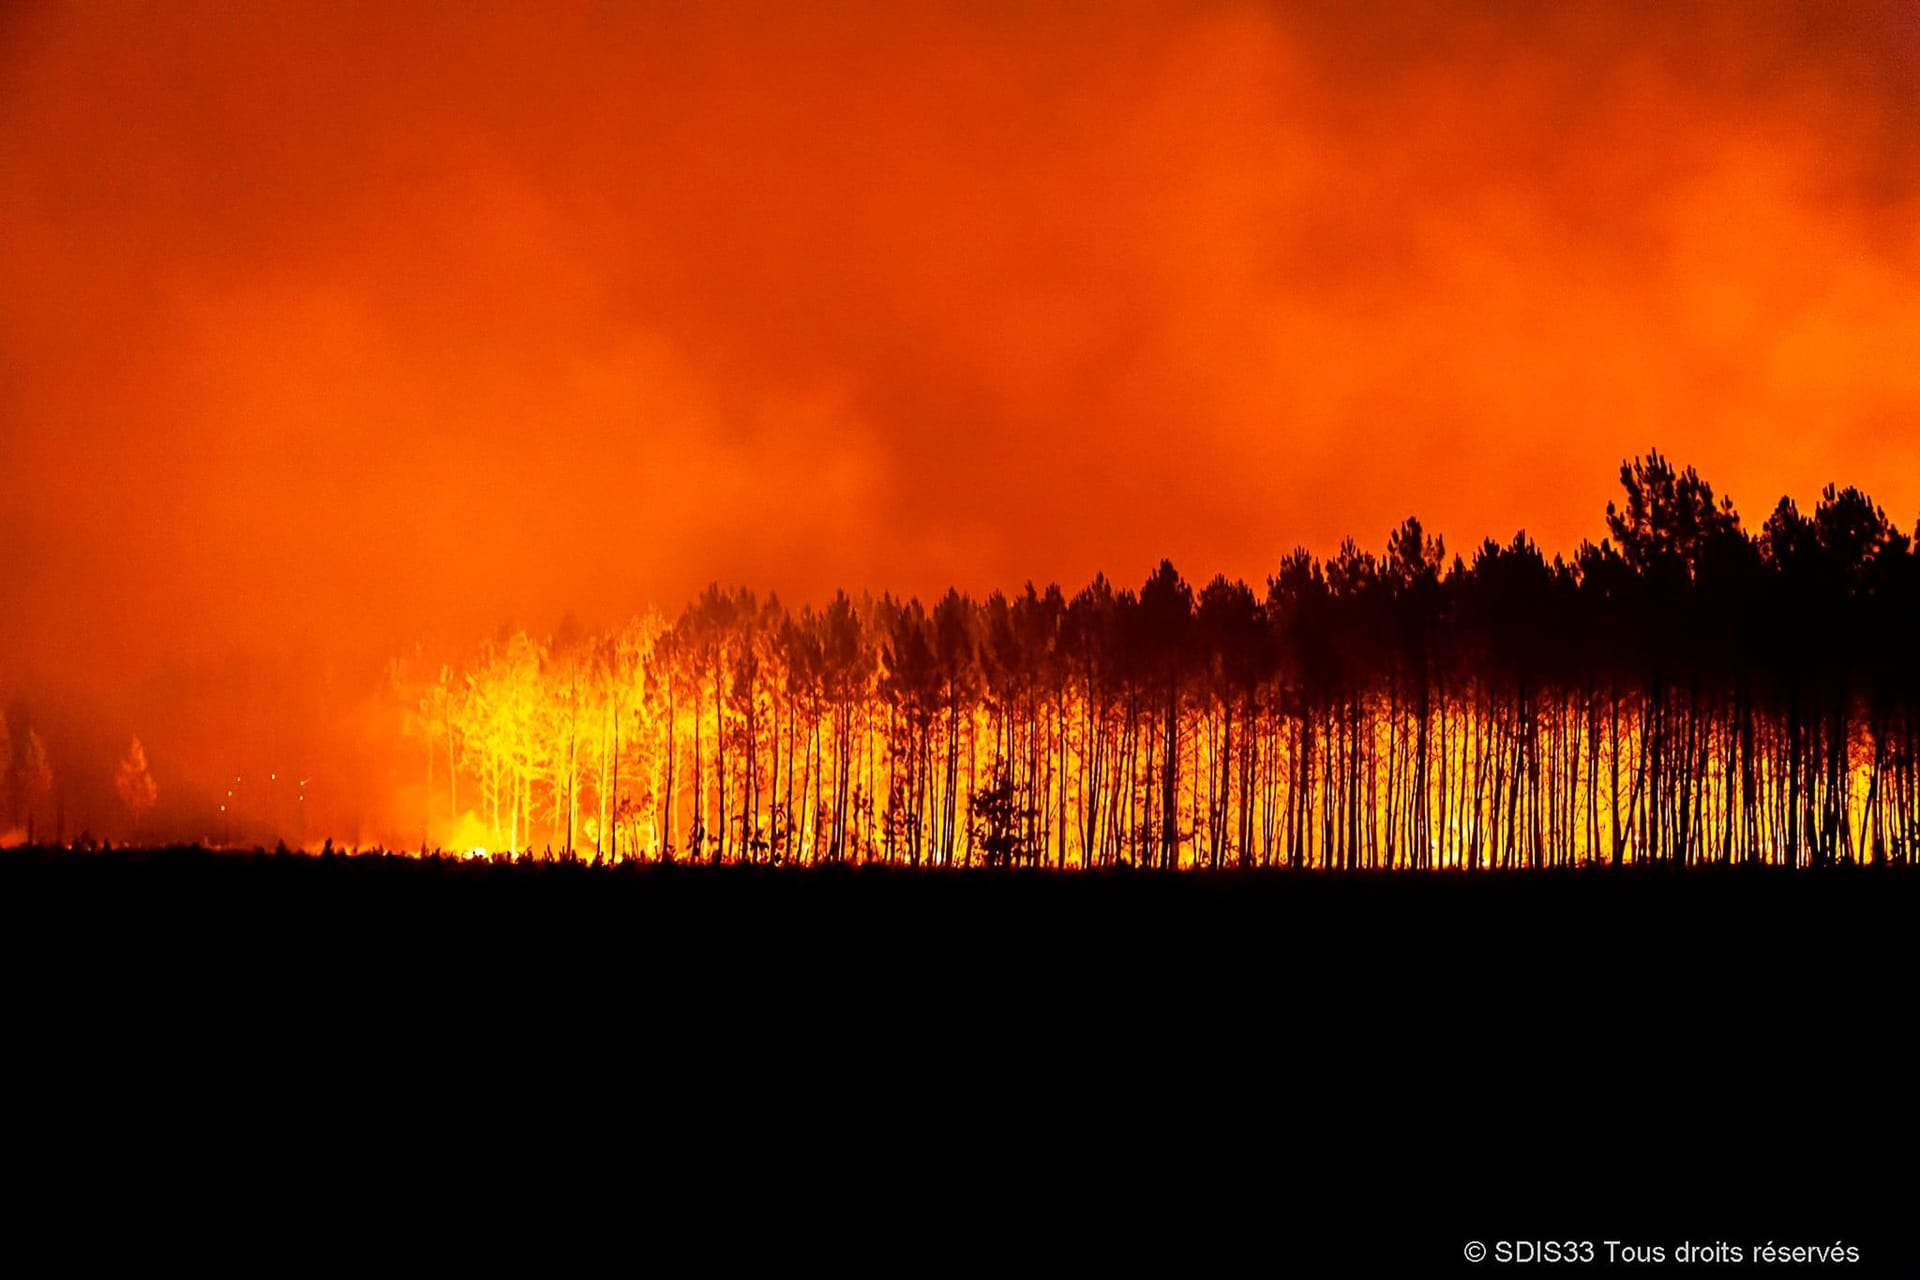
(332, 328)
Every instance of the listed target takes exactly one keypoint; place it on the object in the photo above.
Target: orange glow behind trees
(1683, 691)
(334, 328)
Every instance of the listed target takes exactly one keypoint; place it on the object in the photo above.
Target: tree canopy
(1687, 689)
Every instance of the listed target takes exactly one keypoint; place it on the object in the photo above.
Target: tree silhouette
(27, 768)
(134, 784)
(1683, 691)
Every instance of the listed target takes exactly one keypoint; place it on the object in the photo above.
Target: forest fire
(343, 351)
(749, 566)
(1684, 691)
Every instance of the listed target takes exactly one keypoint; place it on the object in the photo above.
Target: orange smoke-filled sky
(327, 327)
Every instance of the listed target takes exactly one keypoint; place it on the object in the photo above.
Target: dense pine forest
(1689, 690)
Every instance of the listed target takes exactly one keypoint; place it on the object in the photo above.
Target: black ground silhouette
(1197, 1039)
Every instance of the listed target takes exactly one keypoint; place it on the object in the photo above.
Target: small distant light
(273, 777)
(223, 808)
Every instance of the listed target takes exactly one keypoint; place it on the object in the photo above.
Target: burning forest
(1687, 690)
(968, 547)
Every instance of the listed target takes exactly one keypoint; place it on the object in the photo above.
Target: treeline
(1687, 690)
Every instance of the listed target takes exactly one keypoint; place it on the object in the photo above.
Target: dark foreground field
(1462, 1056)
(1586, 962)
(1712, 933)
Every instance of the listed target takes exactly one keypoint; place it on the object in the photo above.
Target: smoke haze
(330, 329)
